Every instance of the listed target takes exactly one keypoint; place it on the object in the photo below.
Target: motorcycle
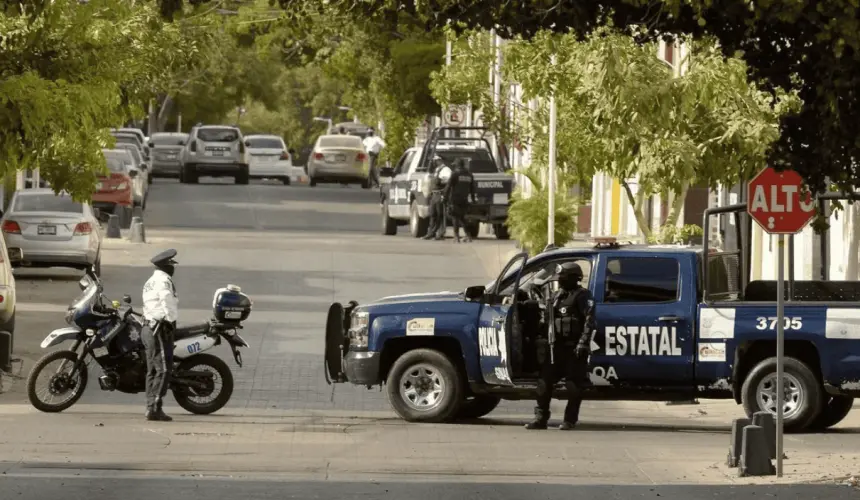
(109, 333)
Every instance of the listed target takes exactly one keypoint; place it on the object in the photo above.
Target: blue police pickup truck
(672, 325)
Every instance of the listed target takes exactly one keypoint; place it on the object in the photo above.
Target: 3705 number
(193, 348)
(769, 323)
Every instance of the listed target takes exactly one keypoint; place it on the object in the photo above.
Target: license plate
(172, 157)
(500, 198)
(52, 230)
(233, 314)
(217, 153)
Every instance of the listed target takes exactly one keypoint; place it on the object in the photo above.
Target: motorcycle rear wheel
(57, 381)
(184, 395)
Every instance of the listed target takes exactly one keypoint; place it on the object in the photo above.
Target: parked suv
(216, 151)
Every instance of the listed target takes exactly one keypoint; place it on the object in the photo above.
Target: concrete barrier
(755, 459)
(764, 419)
(736, 444)
(137, 233)
(113, 230)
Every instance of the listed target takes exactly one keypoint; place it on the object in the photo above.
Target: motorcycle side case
(230, 305)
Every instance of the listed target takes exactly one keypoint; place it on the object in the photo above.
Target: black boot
(158, 415)
(567, 426)
(540, 421)
(429, 236)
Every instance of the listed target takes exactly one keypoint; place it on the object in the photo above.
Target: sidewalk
(641, 443)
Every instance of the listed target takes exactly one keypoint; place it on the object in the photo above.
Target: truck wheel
(501, 232)
(417, 225)
(472, 229)
(834, 410)
(424, 386)
(389, 225)
(189, 174)
(478, 406)
(803, 394)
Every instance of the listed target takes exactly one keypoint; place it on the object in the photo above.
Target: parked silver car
(166, 148)
(216, 151)
(52, 230)
(140, 139)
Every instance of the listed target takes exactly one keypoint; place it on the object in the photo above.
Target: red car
(113, 193)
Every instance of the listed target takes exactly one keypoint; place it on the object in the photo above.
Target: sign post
(777, 204)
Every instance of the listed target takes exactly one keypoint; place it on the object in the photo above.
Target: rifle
(550, 335)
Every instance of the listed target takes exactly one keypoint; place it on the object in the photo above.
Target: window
(404, 162)
(480, 160)
(218, 134)
(541, 273)
(340, 141)
(47, 202)
(132, 149)
(127, 139)
(167, 140)
(266, 143)
(641, 279)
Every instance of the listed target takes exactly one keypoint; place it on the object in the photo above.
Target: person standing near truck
(373, 144)
(438, 181)
(567, 351)
(458, 193)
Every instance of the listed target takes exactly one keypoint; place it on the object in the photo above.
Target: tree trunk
(678, 200)
(164, 113)
(852, 220)
(636, 202)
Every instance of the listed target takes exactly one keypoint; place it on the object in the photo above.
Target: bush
(527, 217)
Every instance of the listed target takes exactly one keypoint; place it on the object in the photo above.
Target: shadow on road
(49, 274)
(610, 426)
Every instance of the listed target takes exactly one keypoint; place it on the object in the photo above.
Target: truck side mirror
(474, 293)
(386, 172)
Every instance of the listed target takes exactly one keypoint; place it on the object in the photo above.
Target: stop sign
(775, 201)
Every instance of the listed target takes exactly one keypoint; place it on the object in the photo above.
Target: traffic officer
(160, 312)
(573, 311)
(459, 191)
(438, 181)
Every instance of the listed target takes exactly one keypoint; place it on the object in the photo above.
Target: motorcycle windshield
(85, 298)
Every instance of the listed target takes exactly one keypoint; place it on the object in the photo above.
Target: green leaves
(527, 216)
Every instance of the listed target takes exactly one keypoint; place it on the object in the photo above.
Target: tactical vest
(568, 320)
(462, 189)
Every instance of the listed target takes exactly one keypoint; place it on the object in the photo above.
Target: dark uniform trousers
(374, 172)
(573, 370)
(458, 218)
(438, 224)
(159, 363)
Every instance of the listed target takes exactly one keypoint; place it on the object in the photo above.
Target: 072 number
(769, 323)
(193, 348)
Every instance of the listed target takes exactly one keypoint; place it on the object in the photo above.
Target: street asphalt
(293, 249)
(107, 488)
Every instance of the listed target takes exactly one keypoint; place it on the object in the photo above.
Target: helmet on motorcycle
(569, 275)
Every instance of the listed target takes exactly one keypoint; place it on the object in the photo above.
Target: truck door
(645, 318)
(398, 187)
(495, 322)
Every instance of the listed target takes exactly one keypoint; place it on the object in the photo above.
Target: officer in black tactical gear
(160, 312)
(438, 181)
(572, 309)
(458, 193)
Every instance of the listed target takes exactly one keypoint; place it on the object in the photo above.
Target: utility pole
(550, 223)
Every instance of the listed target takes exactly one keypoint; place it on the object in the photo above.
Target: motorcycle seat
(187, 331)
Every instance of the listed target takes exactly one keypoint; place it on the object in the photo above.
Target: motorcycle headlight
(358, 327)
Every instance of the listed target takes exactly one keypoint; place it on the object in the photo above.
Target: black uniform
(438, 223)
(160, 309)
(573, 308)
(459, 191)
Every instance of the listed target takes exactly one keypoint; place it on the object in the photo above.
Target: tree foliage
(68, 72)
(811, 48)
(527, 217)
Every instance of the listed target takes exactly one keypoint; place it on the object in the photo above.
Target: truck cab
(671, 325)
(405, 187)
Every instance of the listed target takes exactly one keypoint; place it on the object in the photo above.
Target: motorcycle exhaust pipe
(107, 382)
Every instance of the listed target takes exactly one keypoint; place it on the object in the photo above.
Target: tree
(810, 48)
(68, 72)
(621, 112)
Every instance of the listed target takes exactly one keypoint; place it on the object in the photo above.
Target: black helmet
(569, 275)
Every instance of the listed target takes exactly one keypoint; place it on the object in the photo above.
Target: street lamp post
(347, 108)
(324, 120)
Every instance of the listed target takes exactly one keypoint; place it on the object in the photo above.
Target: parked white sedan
(270, 158)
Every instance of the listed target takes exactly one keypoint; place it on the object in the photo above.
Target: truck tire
(417, 225)
(389, 225)
(424, 386)
(833, 411)
(243, 175)
(501, 232)
(472, 229)
(759, 388)
(478, 406)
(189, 174)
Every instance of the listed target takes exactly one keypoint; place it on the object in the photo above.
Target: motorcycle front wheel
(62, 382)
(215, 391)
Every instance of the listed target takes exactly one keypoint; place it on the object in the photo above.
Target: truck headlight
(358, 327)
